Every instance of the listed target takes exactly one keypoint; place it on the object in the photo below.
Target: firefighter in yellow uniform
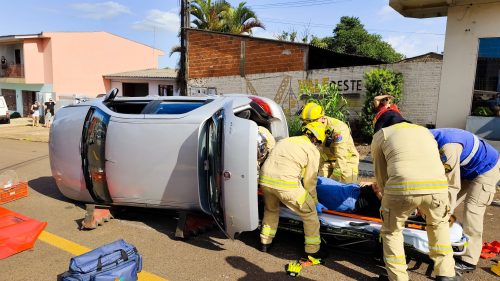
(265, 143)
(339, 156)
(270, 141)
(409, 172)
(292, 161)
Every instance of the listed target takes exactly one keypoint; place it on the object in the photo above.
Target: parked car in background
(4, 111)
(184, 153)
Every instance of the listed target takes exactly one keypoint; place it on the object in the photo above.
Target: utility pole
(183, 71)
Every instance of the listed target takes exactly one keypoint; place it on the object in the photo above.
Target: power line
(329, 26)
(296, 4)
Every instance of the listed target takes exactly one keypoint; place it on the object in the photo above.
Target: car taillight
(262, 104)
(8, 114)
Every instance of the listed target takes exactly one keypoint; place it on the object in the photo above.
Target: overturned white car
(184, 153)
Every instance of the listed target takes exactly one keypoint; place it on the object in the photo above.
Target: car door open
(233, 185)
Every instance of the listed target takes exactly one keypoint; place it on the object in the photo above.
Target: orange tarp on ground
(17, 232)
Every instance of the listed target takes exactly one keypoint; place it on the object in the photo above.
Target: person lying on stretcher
(362, 199)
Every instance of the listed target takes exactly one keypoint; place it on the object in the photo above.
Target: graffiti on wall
(286, 97)
(347, 87)
(350, 88)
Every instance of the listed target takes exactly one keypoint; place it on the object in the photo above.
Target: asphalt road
(209, 256)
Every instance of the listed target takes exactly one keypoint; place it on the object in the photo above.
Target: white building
(147, 82)
(470, 82)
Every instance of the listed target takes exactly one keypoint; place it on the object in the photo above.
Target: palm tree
(240, 20)
(209, 14)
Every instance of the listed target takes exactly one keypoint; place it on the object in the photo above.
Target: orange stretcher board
(17, 232)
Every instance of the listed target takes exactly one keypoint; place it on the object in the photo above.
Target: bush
(482, 111)
(294, 126)
(378, 82)
(15, 115)
(330, 98)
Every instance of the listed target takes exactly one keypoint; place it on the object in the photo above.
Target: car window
(177, 107)
(2, 104)
(214, 143)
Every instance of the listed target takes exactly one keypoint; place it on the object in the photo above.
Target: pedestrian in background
(410, 174)
(472, 169)
(5, 65)
(49, 112)
(382, 104)
(289, 176)
(339, 156)
(35, 114)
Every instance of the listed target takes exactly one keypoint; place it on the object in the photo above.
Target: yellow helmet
(317, 129)
(311, 111)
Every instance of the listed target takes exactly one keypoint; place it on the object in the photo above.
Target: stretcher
(358, 229)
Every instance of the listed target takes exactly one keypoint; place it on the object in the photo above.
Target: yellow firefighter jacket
(406, 161)
(290, 160)
(342, 148)
(271, 142)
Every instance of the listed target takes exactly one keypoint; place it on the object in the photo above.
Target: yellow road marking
(76, 250)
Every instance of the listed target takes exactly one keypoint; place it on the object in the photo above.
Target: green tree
(378, 82)
(221, 16)
(293, 36)
(208, 14)
(240, 20)
(319, 42)
(351, 37)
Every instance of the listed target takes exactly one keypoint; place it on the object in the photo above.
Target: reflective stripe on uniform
(417, 185)
(395, 259)
(475, 148)
(312, 240)
(439, 248)
(264, 180)
(337, 172)
(267, 230)
(308, 113)
(303, 198)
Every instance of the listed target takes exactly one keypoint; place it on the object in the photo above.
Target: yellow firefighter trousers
(346, 174)
(395, 211)
(290, 197)
(477, 194)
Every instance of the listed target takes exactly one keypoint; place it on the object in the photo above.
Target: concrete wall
(80, 59)
(420, 93)
(37, 70)
(215, 55)
(465, 25)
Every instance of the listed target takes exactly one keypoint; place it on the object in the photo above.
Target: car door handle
(109, 160)
(226, 175)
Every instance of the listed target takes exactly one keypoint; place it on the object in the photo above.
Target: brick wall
(420, 92)
(216, 55)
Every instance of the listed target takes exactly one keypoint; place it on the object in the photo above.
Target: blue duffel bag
(115, 261)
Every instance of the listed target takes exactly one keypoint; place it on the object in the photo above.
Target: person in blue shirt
(363, 199)
(472, 169)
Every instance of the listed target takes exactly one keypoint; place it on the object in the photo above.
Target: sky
(156, 23)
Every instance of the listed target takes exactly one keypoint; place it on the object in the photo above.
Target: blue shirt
(337, 196)
(485, 156)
